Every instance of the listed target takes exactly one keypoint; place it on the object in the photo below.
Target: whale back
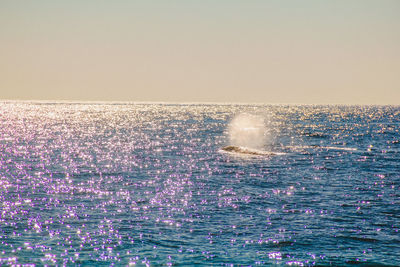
(246, 151)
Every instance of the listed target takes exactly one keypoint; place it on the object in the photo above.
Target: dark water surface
(85, 184)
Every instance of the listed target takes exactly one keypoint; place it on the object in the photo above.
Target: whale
(246, 151)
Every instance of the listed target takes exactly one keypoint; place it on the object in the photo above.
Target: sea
(150, 184)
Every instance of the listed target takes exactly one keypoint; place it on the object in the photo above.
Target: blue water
(85, 184)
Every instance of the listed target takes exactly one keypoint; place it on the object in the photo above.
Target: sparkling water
(148, 184)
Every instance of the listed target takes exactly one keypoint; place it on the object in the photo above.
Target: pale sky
(311, 52)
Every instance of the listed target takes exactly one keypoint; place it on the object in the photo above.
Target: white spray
(247, 130)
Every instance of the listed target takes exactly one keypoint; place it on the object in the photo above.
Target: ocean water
(148, 184)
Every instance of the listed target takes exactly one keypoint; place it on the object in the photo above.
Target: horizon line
(125, 102)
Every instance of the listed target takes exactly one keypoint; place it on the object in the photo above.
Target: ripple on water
(146, 184)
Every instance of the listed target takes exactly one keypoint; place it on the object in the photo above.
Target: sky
(304, 52)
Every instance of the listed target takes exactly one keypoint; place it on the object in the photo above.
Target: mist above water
(247, 130)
